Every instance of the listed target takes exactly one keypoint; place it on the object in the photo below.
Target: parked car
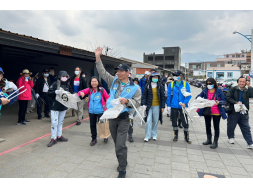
(230, 82)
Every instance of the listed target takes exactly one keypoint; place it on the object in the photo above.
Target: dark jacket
(82, 84)
(57, 106)
(147, 97)
(40, 85)
(233, 96)
(219, 96)
(53, 78)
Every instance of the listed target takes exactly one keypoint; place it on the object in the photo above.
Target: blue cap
(1, 70)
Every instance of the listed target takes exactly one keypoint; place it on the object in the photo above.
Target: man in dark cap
(122, 87)
(41, 90)
(175, 101)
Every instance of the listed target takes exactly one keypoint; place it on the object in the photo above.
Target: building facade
(170, 59)
(224, 72)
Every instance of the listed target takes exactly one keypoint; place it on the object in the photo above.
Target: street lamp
(249, 37)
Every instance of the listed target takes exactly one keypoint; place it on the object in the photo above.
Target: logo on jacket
(97, 96)
(128, 90)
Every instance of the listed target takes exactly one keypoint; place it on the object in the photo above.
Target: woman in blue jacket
(217, 111)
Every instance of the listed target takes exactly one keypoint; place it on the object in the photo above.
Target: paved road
(161, 158)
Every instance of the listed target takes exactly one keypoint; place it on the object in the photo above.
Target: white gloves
(169, 110)
(57, 92)
(37, 95)
(12, 86)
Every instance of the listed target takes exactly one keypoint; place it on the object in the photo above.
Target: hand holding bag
(207, 110)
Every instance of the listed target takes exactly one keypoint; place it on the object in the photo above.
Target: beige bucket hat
(26, 71)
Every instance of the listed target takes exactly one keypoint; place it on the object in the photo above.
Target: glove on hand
(57, 92)
(37, 95)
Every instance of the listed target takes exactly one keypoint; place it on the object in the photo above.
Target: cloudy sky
(136, 32)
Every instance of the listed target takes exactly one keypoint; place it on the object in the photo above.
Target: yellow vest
(155, 101)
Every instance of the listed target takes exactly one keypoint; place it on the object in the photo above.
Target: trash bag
(67, 99)
(240, 108)
(137, 121)
(113, 112)
(200, 103)
(185, 93)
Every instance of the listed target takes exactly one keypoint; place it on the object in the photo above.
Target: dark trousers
(243, 122)
(216, 124)
(130, 130)
(22, 110)
(94, 118)
(46, 99)
(118, 129)
(174, 116)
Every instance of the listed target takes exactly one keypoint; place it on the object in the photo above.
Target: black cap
(45, 70)
(123, 67)
(177, 73)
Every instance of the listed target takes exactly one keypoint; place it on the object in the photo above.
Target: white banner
(67, 99)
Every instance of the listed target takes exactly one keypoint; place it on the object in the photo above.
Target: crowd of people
(152, 92)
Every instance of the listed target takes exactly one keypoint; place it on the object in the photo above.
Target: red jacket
(28, 85)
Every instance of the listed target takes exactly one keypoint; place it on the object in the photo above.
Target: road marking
(34, 140)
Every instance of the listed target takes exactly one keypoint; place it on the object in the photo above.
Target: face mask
(64, 79)
(210, 86)
(155, 80)
(83, 75)
(46, 75)
(175, 78)
(27, 77)
(77, 72)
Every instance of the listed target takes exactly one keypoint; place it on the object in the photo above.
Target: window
(219, 74)
(150, 58)
(230, 74)
(237, 56)
(227, 56)
(209, 74)
(208, 65)
(233, 56)
(193, 66)
(169, 66)
(218, 65)
(169, 57)
(159, 58)
(243, 55)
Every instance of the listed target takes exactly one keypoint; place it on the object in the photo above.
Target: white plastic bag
(137, 121)
(67, 99)
(113, 112)
(240, 108)
(185, 93)
(200, 103)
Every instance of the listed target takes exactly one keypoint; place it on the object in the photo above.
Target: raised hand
(98, 53)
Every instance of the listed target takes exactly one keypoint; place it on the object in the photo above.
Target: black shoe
(47, 116)
(21, 123)
(62, 139)
(175, 136)
(130, 139)
(186, 137)
(51, 143)
(78, 123)
(118, 167)
(105, 140)
(122, 174)
(26, 121)
(215, 143)
(209, 140)
(180, 126)
(93, 142)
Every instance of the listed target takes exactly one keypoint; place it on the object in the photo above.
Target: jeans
(152, 122)
(94, 118)
(22, 110)
(174, 117)
(118, 129)
(46, 99)
(57, 119)
(216, 124)
(243, 122)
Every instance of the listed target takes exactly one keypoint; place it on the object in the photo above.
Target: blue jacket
(219, 96)
(12, 101)
(128, 93)
(175, 96)
(95, 106)
(142, 84)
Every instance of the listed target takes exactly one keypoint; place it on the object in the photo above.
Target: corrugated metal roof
(223, 68)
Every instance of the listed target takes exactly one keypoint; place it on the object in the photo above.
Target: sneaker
(122, 174)
(154, 138)
(78, 123)
(26, 121)
(105, 140)
(93, 142)
(130, 139)
(51, 143)
(145, 139)
(231, 140)
(21, 123)
(62, 139)
(250, 146)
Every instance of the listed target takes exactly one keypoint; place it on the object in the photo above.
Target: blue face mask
(155, 80)
(210, 86)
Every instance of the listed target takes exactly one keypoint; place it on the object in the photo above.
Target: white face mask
(83, 75)
(175, 78)
(77, 72)
(64, 79)
(46, 75)
(210, 86)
